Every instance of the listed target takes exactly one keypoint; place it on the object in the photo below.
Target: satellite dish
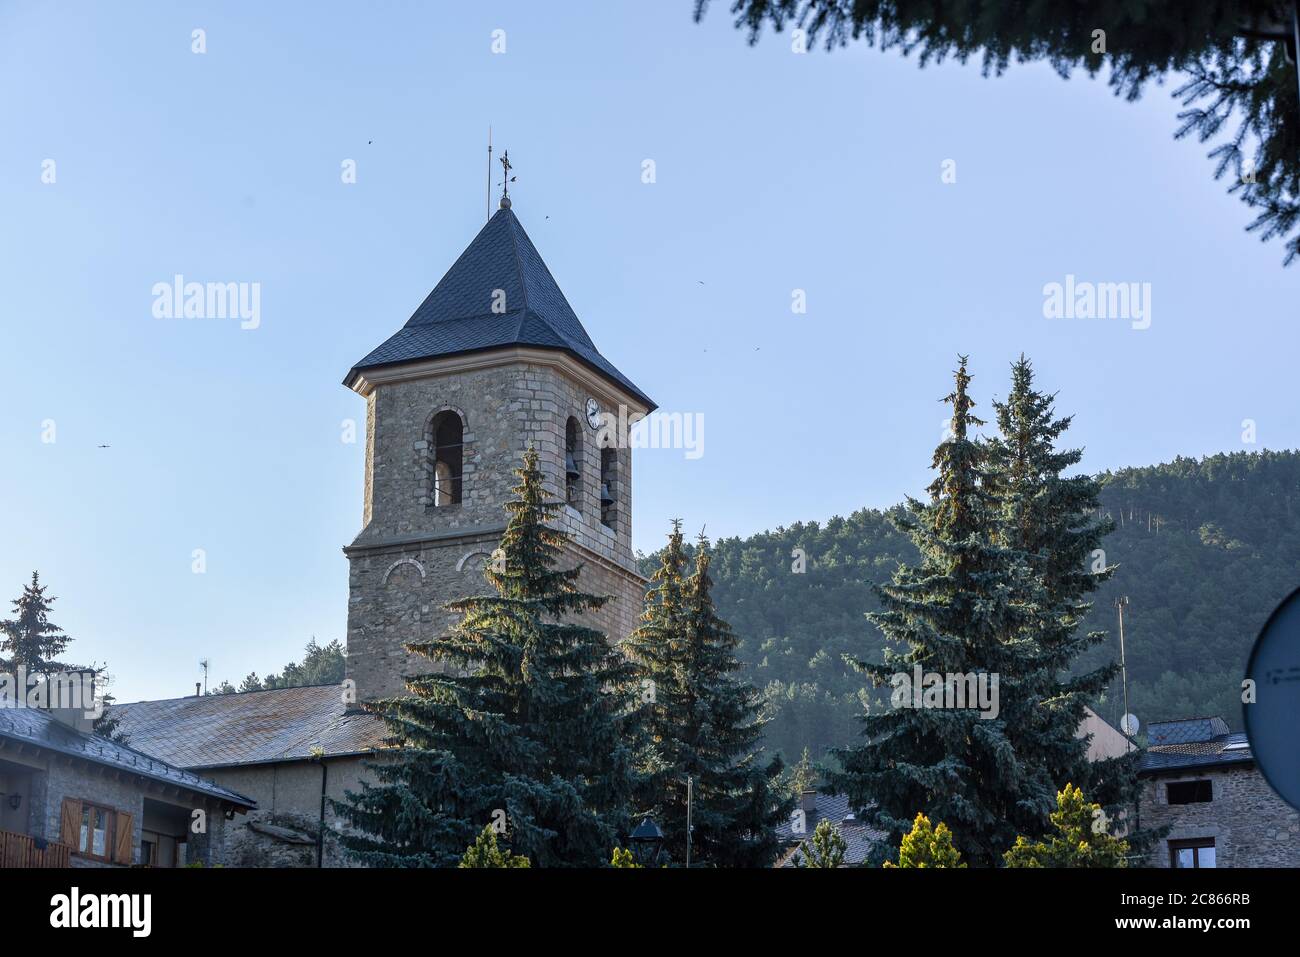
(1271, 719)
(1129, 724)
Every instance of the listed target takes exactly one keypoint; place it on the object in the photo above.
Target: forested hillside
(1206, 549)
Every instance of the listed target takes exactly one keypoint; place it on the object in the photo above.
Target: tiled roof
(212, 731)
(1186, 730)
(457, 317)
(1223, 749)
(39, 728)
(858, 838)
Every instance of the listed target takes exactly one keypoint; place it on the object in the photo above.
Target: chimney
(808, 802)
(69, 697)
(197, 686)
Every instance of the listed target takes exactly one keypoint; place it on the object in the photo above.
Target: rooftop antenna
(506, 180)
(204, 665)
(1127, 724)
(489, 174)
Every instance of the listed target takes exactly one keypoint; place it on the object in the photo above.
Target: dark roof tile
(287, 724)
(33, 726)
(457, 317)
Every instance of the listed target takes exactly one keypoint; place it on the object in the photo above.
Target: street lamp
(647, 842)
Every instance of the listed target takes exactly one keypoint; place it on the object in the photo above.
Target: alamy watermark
(51, 691)
(975, 690)
(179, 299)
(1098, 300)
(659, 430)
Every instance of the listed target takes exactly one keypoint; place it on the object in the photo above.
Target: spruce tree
(1236, 60)
(528, 725)
(1048, 517)
(826, 849)
(486, 852)
(1081, 839)
(962, 611)
(927, 846)
(704, 723)
(30, 640)
(655, 648)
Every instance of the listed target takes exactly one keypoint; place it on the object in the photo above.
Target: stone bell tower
(492, 361)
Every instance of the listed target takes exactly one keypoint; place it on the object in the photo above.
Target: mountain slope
(1206, 548)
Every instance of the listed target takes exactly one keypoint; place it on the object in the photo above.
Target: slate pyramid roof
(457, 316)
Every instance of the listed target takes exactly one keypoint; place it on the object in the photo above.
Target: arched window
(447, 455)
(609, 488)
(573, 463)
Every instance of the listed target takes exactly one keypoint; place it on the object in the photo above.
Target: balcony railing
(20, 850)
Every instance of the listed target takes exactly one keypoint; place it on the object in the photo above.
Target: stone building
(1200, 780)
(70, 798)
(494, 360)
(289, 750)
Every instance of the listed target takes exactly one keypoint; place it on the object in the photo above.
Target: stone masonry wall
(412, 557)
(1250, 824)
(87, 783)
(288, 796)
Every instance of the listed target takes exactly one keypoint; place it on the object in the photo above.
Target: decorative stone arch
(464, 559)
(440, 468)
(403, 561)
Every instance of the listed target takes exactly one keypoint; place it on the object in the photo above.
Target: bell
(570, 466)
(605, 497)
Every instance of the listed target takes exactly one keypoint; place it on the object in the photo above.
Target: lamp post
(647, 842)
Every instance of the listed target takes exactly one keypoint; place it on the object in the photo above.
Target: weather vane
(507, 179)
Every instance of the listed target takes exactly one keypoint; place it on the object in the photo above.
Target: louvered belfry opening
(448, 458)
(573, 463)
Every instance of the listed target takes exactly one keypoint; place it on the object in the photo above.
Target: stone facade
(413, 556)
(1250, 825)
(52, 778)
(285, 829)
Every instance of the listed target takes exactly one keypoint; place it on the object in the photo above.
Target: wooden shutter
(70, 823)
(124, 843)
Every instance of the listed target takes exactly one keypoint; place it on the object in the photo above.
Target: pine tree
(655, 647)
(926, 846)
(29, 639)
(825, 850)
(704, 723)
(1082, 838)
(485, 852)
(1047, 517)
(960, 611)
(531, 719)
(1237, 60)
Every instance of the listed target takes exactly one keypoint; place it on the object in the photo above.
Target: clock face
(594, 418)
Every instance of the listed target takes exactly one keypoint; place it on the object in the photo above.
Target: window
(96, 838)
(573, 463)
(1190, 792)
(609, 488)
(1197, 853)
(446, 442)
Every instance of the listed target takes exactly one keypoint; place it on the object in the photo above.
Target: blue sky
(774, 172)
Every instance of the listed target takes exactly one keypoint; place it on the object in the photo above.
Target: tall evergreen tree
(1048, 517)
(962, 611)
(531, 718)
(30, 639)
(655, 648)
(704, 723)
